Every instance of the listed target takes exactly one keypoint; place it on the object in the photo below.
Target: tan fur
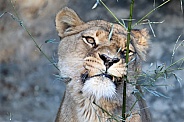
(92, 95)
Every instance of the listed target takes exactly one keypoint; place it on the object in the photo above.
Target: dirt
(30, 90)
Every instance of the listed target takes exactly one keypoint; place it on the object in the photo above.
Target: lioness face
(104, 63)
(98, 52)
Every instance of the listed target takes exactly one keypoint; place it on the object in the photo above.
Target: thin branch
(112, 14)
(181, 2)
(175, 48)
(143, 18)
(16, 18)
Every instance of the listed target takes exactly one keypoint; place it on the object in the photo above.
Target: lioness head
(93, 53)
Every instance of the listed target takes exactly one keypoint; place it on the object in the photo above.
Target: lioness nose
(108, 61)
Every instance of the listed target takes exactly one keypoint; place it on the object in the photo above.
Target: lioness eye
(89, 40)
(130, 52)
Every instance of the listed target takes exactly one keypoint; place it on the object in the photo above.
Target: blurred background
(29, 87)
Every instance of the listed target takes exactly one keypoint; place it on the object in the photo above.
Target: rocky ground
(29, 87)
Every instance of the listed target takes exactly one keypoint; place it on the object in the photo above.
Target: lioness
(93, 55)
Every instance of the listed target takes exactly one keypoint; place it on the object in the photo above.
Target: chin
(99, 87)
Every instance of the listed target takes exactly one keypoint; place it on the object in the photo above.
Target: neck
(102, 110)
(90, 109)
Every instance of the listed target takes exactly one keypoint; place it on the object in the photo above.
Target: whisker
(118, 71)
(73, 61)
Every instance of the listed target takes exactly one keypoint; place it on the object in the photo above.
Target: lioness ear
(141, 42)
(66, 19)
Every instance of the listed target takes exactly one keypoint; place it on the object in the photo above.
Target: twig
(143, 18)
(112, 14)
(16, 18)
(175, 48)
(181, 6)
(103, 110)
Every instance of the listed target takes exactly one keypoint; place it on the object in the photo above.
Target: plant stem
(127, 57)
(36, 44)
(112, 14)
(150, 12)
(167, 69)
(124, 100)
(182, 59)
(105, 111)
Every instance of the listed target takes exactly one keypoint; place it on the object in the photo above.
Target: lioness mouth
(116, 80)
